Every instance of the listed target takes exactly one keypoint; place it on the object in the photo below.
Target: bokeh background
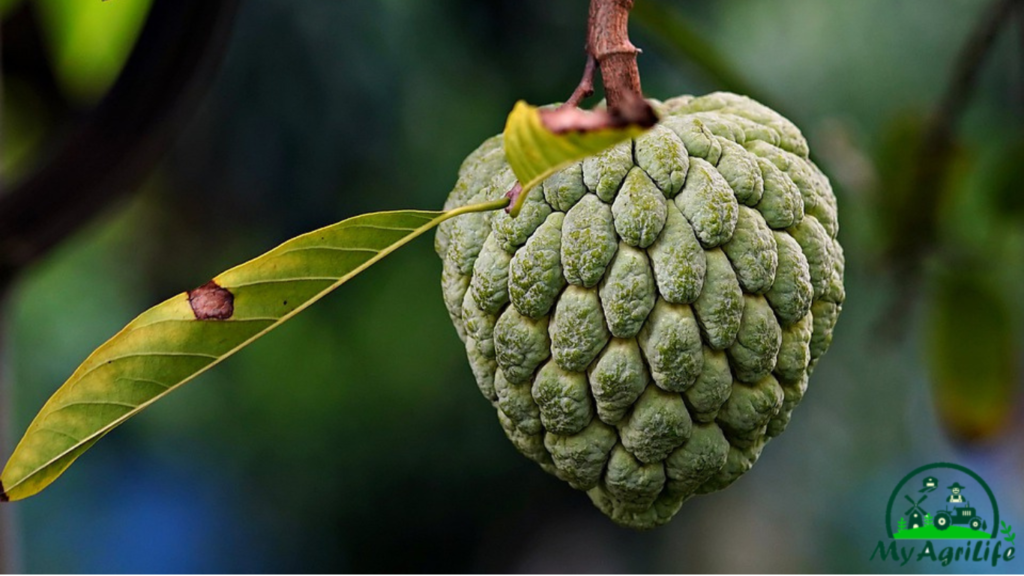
(353, 438)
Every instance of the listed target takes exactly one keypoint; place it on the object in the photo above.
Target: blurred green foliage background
(354, 438)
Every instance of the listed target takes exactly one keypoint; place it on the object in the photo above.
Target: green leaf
(89, 41)
(535, 152)
(167, 345)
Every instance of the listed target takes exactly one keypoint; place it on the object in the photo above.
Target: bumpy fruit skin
(651, 318)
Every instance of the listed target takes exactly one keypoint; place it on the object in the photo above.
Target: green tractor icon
(960, 514)
(964, 515)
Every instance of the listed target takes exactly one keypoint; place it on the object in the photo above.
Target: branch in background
(935, 154)
(668, 25)
(608, 48)
(937, 139)
(967, 68)
(116, 147)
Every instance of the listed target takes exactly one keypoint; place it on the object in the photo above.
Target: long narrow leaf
(175, 341)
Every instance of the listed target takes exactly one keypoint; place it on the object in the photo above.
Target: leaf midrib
(413, 234)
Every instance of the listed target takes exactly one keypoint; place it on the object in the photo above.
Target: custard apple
(651, 317)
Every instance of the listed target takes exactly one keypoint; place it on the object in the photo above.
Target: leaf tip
(211, 302)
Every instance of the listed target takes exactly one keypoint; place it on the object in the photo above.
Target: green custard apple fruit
(651, 317)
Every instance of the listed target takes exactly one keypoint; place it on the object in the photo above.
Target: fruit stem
(608, 48)
(608, 43)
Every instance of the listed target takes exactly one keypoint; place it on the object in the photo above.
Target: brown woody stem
(608, 48)
(608, 42)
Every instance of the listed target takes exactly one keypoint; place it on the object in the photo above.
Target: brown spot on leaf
(211, 302)
(3, 494)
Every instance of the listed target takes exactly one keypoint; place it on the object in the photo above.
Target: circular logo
(942, 501)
